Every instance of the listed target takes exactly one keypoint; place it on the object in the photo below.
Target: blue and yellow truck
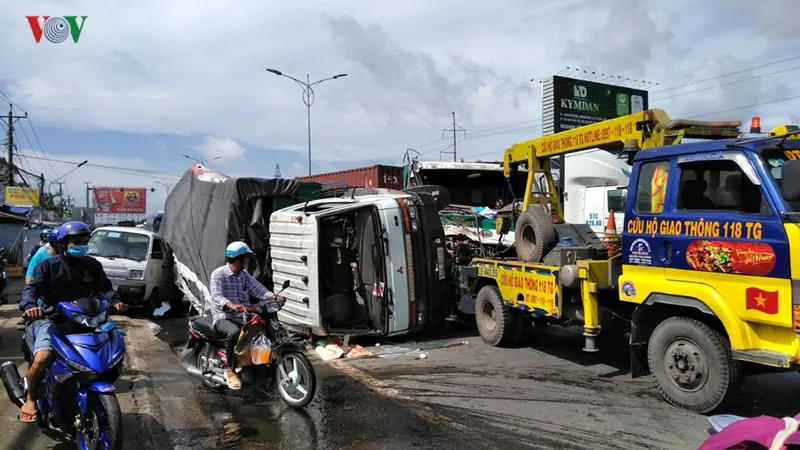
(705, 276)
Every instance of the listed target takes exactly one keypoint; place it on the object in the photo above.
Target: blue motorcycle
(77, 395)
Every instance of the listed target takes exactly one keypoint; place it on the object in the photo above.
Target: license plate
(440, 262)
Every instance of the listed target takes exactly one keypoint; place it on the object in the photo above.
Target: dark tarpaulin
(206, 211)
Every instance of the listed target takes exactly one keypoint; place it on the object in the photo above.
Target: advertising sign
(569, 103)
(117, 200)
(22, 196)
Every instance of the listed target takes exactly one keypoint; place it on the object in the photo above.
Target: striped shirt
(237, 289)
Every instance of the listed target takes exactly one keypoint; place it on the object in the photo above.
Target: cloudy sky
(149, 81)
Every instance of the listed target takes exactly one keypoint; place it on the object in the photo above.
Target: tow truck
(705, 276)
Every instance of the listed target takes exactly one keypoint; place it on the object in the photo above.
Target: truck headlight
(136, 274)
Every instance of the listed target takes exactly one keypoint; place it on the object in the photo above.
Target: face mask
(78, 251)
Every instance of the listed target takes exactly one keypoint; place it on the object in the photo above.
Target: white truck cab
(361, 265)
(136, 261)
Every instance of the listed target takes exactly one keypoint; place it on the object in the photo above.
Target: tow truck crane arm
(622, 135)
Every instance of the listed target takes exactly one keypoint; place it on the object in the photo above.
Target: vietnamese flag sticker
(761, 300)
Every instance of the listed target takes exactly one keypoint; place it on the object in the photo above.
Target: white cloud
(227, 150)
(198, 68)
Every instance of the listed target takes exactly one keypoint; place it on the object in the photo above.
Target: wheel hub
(686, 365)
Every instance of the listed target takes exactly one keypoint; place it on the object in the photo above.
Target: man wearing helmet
(68, 276)
(44, 252)
(42, 241)
(231, 289)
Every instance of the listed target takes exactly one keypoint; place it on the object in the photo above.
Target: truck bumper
(132, 292)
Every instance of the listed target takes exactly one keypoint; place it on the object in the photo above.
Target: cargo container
(378, 176)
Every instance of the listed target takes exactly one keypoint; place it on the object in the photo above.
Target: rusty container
(378, 176)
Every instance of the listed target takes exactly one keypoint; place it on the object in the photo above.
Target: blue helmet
(72, 228)
(44, 234)
(237, 249)
(52, 237)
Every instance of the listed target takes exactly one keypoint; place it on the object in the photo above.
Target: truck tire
(440, 194)
(495, 319)
(692, 365)
(534, 235)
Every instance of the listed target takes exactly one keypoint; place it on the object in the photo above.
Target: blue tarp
(23, 211)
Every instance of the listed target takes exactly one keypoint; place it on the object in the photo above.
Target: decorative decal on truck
(761, 300)
(746, 258)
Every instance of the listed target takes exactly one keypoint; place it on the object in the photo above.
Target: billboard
(117, 200)
(569, 103)
(22, 196)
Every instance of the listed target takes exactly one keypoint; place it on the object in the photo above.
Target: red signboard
(116, 200)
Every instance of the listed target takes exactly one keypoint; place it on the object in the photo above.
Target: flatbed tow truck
(705, 277)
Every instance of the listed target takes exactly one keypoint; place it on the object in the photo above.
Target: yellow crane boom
(627, 134)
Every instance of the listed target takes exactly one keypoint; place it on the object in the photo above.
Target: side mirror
(790, 180)
(285, 284)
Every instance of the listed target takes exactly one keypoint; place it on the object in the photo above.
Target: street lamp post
(308, 99)
(201, 160)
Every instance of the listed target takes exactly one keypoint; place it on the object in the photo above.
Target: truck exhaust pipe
(13, 382)
(195, 372)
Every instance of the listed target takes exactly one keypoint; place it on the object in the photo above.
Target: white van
(138, 263)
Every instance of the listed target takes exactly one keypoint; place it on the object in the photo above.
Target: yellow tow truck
(705, 276)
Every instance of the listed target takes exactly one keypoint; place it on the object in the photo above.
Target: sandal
(233, 382)
(28, 418)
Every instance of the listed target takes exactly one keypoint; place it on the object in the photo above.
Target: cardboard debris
(329, 352)
(357, 351)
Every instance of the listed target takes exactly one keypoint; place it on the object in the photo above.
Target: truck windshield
(774, 158)
(119, 244)
(617, 199)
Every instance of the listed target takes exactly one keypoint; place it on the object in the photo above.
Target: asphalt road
(461, 396)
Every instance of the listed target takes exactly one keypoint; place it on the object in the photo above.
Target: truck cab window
(158, 251)
(718, 185)
(616, 200)
(652, 187)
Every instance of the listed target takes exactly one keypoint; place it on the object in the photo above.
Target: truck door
(644, 252)
(724, 233)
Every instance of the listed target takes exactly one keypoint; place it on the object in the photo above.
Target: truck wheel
(495, 319)
(534, 235)
(692, 365)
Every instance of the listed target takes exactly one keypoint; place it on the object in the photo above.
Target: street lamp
(308, 99)
(201, 160)
(166, 186)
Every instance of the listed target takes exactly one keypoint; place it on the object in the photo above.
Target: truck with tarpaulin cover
(207, 210)
(705, 276)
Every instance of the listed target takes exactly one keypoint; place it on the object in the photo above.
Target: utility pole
(455, 129)
(61, 196)
(10, 119)
(277, 171)
(87, 183)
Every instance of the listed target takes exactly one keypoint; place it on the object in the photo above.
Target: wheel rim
(686, 364)
(294, 378)
(489, 316)
(95, 436)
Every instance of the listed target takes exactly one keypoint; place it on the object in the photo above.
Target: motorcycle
(287, 367)
(77, 394)
(4, 280)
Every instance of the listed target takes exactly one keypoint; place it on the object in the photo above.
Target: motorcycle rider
(43, 238)
(231, 289)
(66, 277)
(44, 252)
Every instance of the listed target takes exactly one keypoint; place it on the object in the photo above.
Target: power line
(455, 129)
(100, 166)
(738, 108)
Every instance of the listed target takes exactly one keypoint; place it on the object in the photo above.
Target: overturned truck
(206, 211)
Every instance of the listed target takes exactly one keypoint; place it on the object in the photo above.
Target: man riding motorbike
(66, 277)
(231, 289)
(44, 252)
(43, 237)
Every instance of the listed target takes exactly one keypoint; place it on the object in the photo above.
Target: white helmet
(237, 249)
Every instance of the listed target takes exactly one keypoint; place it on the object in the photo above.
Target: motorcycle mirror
(285, 284)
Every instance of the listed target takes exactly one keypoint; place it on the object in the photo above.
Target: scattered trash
(329, 352)
(378, 344)
(154, 327)
(357, 351)
(161, 310)
(422, 356)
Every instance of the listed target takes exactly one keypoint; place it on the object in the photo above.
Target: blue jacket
(63, 278)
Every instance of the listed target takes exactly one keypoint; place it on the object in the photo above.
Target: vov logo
(56, 29)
